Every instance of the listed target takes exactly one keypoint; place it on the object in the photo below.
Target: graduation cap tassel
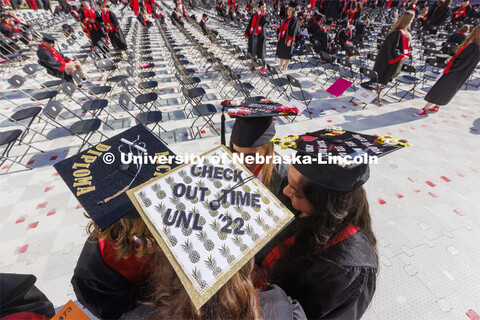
(222, 128)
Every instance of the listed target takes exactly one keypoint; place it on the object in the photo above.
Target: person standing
(89, 19)
(333, 9)
(46, 5)
(255, 32)
(286, 35)
(112, 28)
(438, 15)
(456, 73)
(394, 50)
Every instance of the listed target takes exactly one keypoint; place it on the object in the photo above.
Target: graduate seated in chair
(9, 28)
(57, 64)
(176, 16)
(143, 19)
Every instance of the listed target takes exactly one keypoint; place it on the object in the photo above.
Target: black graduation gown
(342, 37)
(391, 48)
(333, 9)
(457, 38)
(46, 5)
(323, 39)
(467, 13)
(143, 21)
(284, 52)
(95, 34)
(436, 18)
(39, 4)
(449, 83)
(117, 38)
(204, 28)
(176, 18)
(12, 47)
(256, 43)
(20, 298)
(340, 282)
(283, 12)
(103, 291)
(53, 66)
(15, 4)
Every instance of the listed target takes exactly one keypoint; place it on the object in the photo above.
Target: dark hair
(443, 5)
(334, 211)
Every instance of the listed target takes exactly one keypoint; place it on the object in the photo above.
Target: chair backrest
(77, 75)
(105, 63)
(16, 81)
(125, 84)
(124, 101)
(69, 88)
(186, 94)
(409, 68)
(372, 75)
(130, 71)
(344, 62)
(272, 70)
(53, 109)
(326, 56)
(92, 55)
(294, 82)
(30, 69)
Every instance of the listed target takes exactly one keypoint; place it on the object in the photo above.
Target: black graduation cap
(292, 4)
(261, 3)
(253, 131)
(46, 37)
(321, 146)
(100, 187)
(328, 22)
(4, 15)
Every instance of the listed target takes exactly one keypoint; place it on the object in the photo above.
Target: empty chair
(407, 79)
(7, 141)
(199, 110)
(144, 118)
(87, 127)
(300, 95)
(144, 100)
(17, 81)
(371, 84)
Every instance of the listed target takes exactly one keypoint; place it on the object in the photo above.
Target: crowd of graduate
(324, 264)
(335, 26)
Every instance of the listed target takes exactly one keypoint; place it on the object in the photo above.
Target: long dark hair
(334, 211)
(443, 5)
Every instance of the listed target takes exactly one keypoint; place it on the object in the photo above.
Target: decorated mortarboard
(262, 108)
(100, 176)
(48, 38)
(254, 124)
(214, 216)
(338, 159)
